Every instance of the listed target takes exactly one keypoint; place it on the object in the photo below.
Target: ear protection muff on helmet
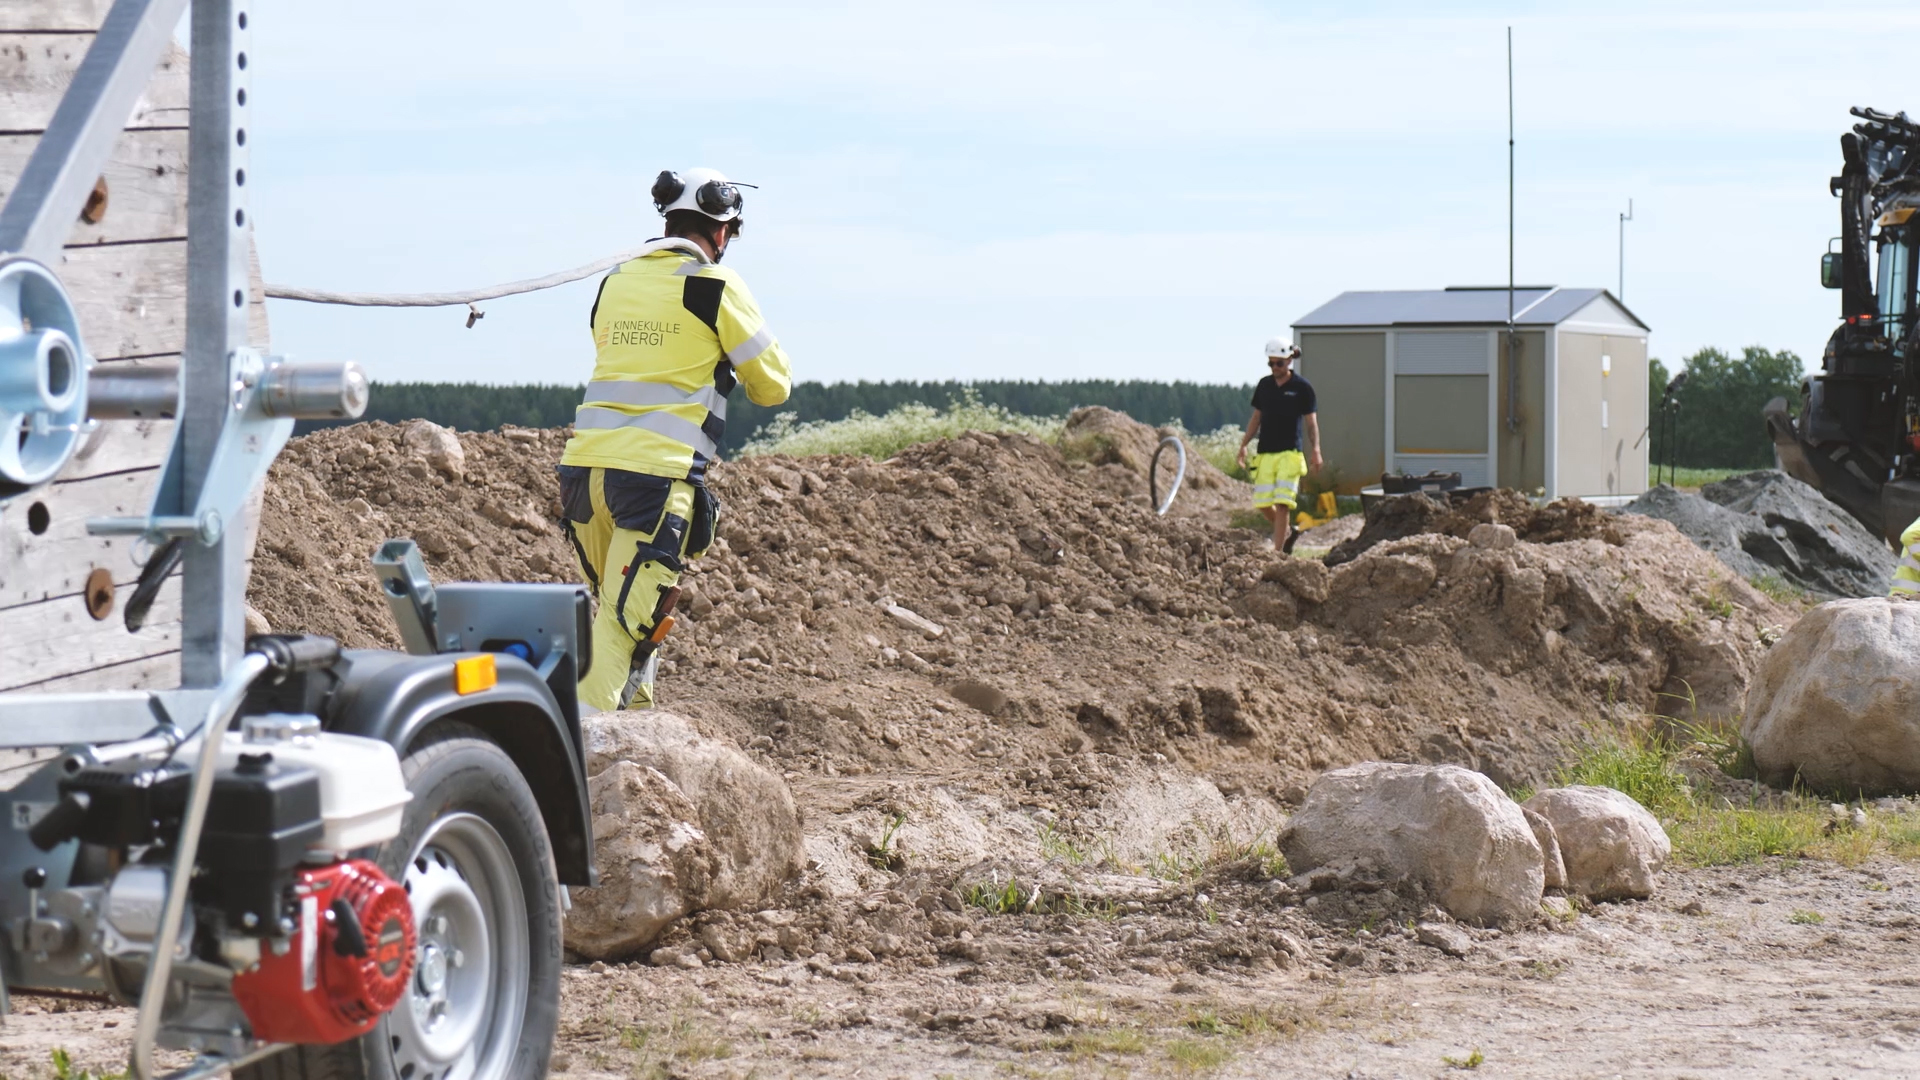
(667, 187)
(715, 198)
(704, 190)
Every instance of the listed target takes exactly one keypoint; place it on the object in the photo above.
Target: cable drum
(1153, 474)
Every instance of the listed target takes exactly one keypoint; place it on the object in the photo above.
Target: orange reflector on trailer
(474, 674)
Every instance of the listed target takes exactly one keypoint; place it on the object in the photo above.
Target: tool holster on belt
(646, 653)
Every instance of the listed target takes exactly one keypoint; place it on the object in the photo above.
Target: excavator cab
(1856, 435)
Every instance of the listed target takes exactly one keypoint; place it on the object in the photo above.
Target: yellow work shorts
(633, 533)
(1276, 478)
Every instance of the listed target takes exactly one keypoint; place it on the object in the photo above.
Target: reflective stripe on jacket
(1906, 576)
(674, 334)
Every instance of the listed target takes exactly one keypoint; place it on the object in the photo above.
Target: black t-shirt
(1281, 408)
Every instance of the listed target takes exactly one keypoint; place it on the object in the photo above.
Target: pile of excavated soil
(1118, 453)
(1083, 639)
(335, 495)
(1400, 516)
(1766, 523)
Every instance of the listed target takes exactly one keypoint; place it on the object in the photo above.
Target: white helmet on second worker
(1279, 346)
(704, 191)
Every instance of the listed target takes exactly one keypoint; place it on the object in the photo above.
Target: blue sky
(1054, 191)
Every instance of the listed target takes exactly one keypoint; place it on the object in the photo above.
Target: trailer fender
(396, 697)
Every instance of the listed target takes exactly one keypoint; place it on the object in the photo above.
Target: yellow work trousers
(631, 533)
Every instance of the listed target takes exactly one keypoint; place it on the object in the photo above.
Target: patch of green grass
(1637, 765)
(63, 1068)
(1087, 1044)
(1685, 478)
(883, 855)
(997, 900)
(1707, 832)
(1471, 1061)
(881, 437)
(1803, 917)
(1780, 590)
(1193, 1055)
(1249, 519)
(1220, 446)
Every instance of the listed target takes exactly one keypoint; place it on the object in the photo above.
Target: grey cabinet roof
(1533, 305)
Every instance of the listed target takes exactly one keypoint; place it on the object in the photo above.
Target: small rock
(1493, 536)
(859, 954)
(598, 967)
(1692, 907)
(1186, 984)
(560, 1061)
(913, 621)
(256, 623)
(987, 699)
(437, 446)
(1612, 846)
(1448, 939)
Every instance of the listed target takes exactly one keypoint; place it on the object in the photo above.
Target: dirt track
(1734, 988)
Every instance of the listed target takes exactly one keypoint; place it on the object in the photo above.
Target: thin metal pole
(1621, 288)
(1510, 226)
(212, 621)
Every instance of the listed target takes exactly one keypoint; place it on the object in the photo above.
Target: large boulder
(1613, 848)
(745, 810)
(1835, 703)
(1448, 828)
(655, 863)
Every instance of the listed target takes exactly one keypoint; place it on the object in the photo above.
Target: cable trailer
(302, 860)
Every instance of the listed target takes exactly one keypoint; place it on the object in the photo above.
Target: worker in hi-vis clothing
(675, 333)
(1906, 575)
(1284, 410)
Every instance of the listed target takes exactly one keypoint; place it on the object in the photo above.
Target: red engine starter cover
(321, 990)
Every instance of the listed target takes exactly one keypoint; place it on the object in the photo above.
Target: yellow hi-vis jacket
(1906, 576)
(674, 333)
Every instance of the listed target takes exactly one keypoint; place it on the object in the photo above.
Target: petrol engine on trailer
(284, 929)
(346, 964)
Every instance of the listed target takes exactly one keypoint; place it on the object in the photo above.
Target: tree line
(476, 407)
(1715, 419)
(1717, 422)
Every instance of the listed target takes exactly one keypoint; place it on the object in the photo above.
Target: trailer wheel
(484, 1002)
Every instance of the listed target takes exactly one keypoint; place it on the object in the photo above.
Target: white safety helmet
(1279, 346)
(705, 191)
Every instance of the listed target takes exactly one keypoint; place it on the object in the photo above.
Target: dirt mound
(335, 495)
(1079, 632)
(1118, 451)
(1766, 522)
(1401, 516)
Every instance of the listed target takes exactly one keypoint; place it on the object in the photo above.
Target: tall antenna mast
(1513, 358)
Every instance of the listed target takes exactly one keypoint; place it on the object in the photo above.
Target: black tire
(457, 776)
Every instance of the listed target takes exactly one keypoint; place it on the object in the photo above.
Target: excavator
(1857, 435)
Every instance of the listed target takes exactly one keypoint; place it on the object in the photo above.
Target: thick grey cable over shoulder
(448, 299)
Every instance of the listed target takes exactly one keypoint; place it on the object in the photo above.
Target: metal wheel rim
(462, 1020)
